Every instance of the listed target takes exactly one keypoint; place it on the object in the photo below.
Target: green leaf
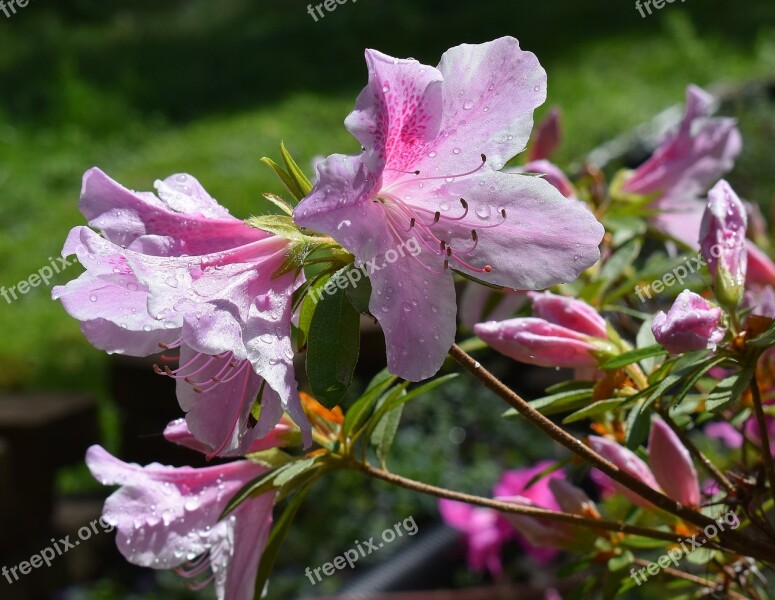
(622, 561)
(765, 339)
(280, 225)
(558, 403)
(293, 470)
(358, 293)
(271, 459)
(277, 537)
(360, 410)
(633, 356)
(259, 485)
(285, 177)
(423, 389)
(279, 203)
(385, 433)
(729, 390)
(638, 424)
(691, 381)
(309, 306)
(295, 173)
(595, 409)
(333, 347)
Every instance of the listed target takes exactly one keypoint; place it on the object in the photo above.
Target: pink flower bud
(628, 462)
(568, 312)
(723, 244)
(572, 499)
(761, 269)
(538, 342)
(672, 465)
(547, 137)
(552, 173)
(691, 324)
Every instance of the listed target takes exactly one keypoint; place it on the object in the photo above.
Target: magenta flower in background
(168, 518)
(484, 536)
(564, 333)
(725, 432)
(434, 140)
(723, 243)
(672, 465)
(760, 270)
(690, 324)
(685, 165)
(543, 534)
(178, 271)
(547, 137)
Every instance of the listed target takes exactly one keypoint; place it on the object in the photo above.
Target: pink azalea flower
(547, 137)
(178, 271)
(725, 432)
(690, 324)
(761, 268)
(564, 333)
(672, 465)
(484, 536)
(168, 518)
(543, 534)
(434, 141)
(686, 164)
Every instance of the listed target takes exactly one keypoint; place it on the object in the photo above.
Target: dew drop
(468, 105)
(456, 151)
(93, 298)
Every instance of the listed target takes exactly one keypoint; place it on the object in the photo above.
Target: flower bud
(672, 465)
(723, 244)
(690, 324)
(568, 312)
(552, 173)
(538, 342)
(628, 462)
(547, 138)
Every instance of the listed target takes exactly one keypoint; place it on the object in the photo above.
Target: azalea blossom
(564, 332)
(177, 271)
(168, 518)
(434, 140)
(690, 324)
(685, 165)
(723, 242)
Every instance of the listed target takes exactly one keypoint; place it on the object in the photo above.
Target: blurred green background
(145, 89)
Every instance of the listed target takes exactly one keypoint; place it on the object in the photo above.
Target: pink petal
(726, 433)
(628, 462)
(568, 312)
(672, 465)
(538, 342)
(547, 137)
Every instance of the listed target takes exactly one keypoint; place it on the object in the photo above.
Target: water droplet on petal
(468, 105)
(93, 298)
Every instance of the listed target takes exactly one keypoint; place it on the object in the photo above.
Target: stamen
(436, 217)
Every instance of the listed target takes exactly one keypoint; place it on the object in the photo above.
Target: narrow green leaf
(280, 225)
(593, 410)
(765, 339)
(292, 186)
(558, 403)
(634, 356)
(729, 390)
(279, 203)
(360, 410)
(333, 347)
(385, 433)
(618, 262)
(292, 470)
(298, 176)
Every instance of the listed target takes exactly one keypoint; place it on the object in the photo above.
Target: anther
(464, 203)
(157, 370)
(503, 212)
(487, 269)
(436, 217)
(484, 158)
(413, 222)
(446, 265)
(443, 245)
(474, 235)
